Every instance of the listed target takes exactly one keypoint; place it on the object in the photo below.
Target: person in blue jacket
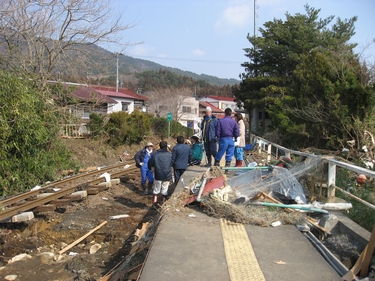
(196, 151)
(181, 157)
(227, 131)
(141, 159)
(208, 128)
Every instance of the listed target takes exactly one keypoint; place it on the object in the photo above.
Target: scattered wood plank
(71, 245)
(60, 202)
(93, 190)
(44, 208)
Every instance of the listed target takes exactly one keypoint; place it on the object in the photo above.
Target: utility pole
(117, 54)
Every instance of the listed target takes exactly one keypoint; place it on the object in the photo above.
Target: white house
(221, 102)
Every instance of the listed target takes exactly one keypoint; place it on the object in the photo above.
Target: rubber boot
(209, 161)
(164, 199)
(227, 164)
(217, 163)
(238, 163)
(150, 187)
(144, 187)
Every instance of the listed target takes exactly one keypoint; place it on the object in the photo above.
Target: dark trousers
(210, 148)
(177, 174)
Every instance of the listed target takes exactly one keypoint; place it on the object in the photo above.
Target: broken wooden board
(209, 187)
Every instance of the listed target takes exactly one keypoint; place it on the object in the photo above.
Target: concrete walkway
(188, 248)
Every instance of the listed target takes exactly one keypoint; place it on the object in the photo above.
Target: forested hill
(101, 62)
(150, 80)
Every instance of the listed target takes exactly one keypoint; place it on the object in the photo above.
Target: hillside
(99, 62)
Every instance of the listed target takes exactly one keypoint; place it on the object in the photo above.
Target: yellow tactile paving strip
(242, 262)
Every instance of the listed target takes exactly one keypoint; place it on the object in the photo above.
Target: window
(186, 109)
(125, 106)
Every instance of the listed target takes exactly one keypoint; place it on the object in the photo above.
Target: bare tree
(36, 36)
(162, 101)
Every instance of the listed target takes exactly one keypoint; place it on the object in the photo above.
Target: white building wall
(118, 106)
(189, 112)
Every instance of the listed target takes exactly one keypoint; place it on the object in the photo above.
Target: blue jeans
(238, 153)
(226, 145)
(146, 174)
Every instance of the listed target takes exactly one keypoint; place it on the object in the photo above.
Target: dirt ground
(43, 237)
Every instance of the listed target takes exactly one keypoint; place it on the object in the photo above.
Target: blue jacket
(161, 162)
(181, 156)
(140, 156)
(208, 128)
(227, 128)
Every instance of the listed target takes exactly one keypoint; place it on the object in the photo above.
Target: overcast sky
(208, 36)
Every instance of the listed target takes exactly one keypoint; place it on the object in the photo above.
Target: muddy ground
(43, 237)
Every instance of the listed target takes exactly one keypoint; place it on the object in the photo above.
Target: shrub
(30, 150)
(160, 128)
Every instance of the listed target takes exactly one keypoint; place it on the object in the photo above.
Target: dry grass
(250, 214)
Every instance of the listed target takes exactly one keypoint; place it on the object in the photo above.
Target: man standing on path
(181, 157)
(141, 159)
(227, 130)
(161, 161)
(208, 127)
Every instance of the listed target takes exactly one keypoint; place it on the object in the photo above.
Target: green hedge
(160, 128)
(123, 128)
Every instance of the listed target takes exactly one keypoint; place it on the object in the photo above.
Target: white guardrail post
(269, 148)
(331, 181)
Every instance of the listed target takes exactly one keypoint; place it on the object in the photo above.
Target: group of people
(156, 166)
(230, 133)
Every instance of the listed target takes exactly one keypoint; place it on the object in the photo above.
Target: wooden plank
(369, 250)
(60, 202)
(93, 190)
(45, 208)
(71, 197)
(71, 245)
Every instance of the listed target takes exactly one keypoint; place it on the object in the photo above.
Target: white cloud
(236, 15)
(198, 53)
(161, 55)
(141, 50)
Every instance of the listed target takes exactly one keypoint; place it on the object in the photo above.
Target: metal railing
(74, 131)
(266, 145)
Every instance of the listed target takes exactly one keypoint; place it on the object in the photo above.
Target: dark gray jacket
(161, 161)
(181, 156)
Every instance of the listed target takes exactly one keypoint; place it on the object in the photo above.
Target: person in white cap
(141, 159)
(208, 127)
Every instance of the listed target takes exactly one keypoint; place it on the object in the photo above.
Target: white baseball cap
(208, 109)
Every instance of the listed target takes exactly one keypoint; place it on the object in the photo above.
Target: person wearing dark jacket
(161, 162)
(141, 159)
(208, 127)
(181, 157)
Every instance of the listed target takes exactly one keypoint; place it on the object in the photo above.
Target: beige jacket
(241, 139)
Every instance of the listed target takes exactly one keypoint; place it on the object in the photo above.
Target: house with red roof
(221, 102)
(126, 99)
